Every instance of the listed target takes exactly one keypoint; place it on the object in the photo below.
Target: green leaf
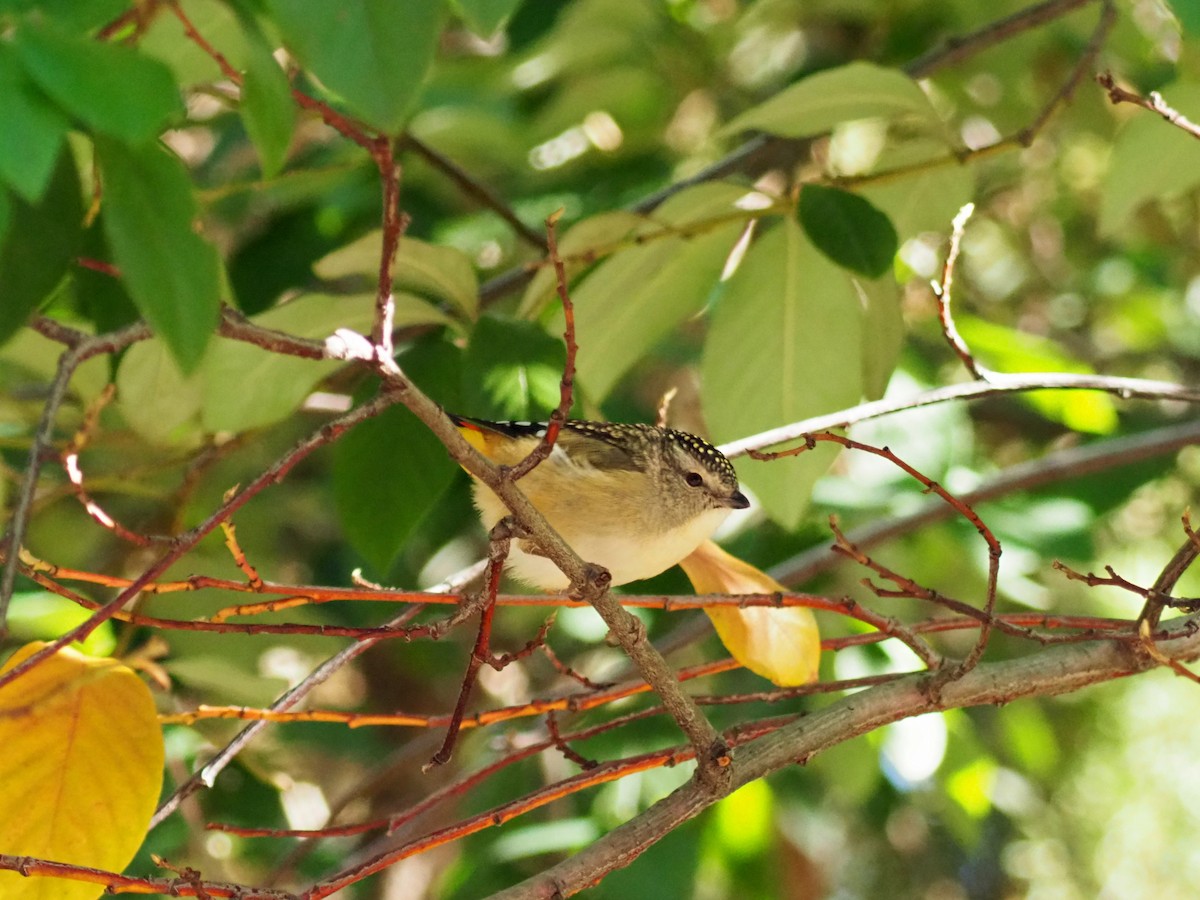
(814, 105)
(6, 214)
(372, 53)
(924, 200)
(883, 332)
(158, 401)
(785, 344)
(485, 17)
(390, 471)
(239, 386)
(111, 88)
(848, 229)
(41, 615)
(444, 273)
(1017, 351)
(588, 236)
(636, 297)
(73, 15)
(172, 273)
(267, 106)
(1151, 159)
(166, 40)
(511, 370)
(1188, 14)
(33, 131)
(246, 386)
(40, 245)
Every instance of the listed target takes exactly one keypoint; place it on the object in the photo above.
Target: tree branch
(1054, 670)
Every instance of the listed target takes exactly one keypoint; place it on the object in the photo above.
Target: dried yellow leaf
(81, 759)
(782, 645)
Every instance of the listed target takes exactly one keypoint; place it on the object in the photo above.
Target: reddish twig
(80, 348)
(563, 669)
(567, 383)
(97, 265)
(116, 883)
(563, 747)
(1157, 597)
(253, 580)
(69, 457)
(473, 188)
(184, 542)
(894, 628)
(1056, 466)
(993, 545)
(498, 547)
(395, 223)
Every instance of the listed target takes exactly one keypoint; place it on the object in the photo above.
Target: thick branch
(1055, 670)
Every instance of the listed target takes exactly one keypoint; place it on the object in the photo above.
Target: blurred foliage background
(1081, 257)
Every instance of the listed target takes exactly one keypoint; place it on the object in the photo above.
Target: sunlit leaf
(246, 386)
(584, 239)
(372, 53)
(41, 615)
(165, 39)
(81, 758)
(444, 273)
(511, 370)
(883, 332)
(785, 344)
(639, 295)
(110, 87)
(156, 400)
(267, 106)
(1151, 159)
(782, 645)
(858, 90)
(1013, 351)
(926, 199)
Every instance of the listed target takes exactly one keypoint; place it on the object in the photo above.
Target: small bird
(635, 499)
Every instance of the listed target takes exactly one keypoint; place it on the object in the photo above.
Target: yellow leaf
(81, 758)
(782, 645)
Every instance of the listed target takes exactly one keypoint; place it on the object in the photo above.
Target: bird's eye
(694, 479)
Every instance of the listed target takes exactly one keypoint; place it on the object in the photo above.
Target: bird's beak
(737, 501)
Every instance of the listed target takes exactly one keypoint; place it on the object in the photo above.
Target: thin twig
(566, 387)
(1154, 103)
(942, 292)
(993, 544)
(472, 187)
(499, 542)
(184, 542)
(77, 352)
(1059, 465)
(959, 49)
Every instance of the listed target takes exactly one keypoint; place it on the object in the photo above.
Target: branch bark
(1056, 670)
